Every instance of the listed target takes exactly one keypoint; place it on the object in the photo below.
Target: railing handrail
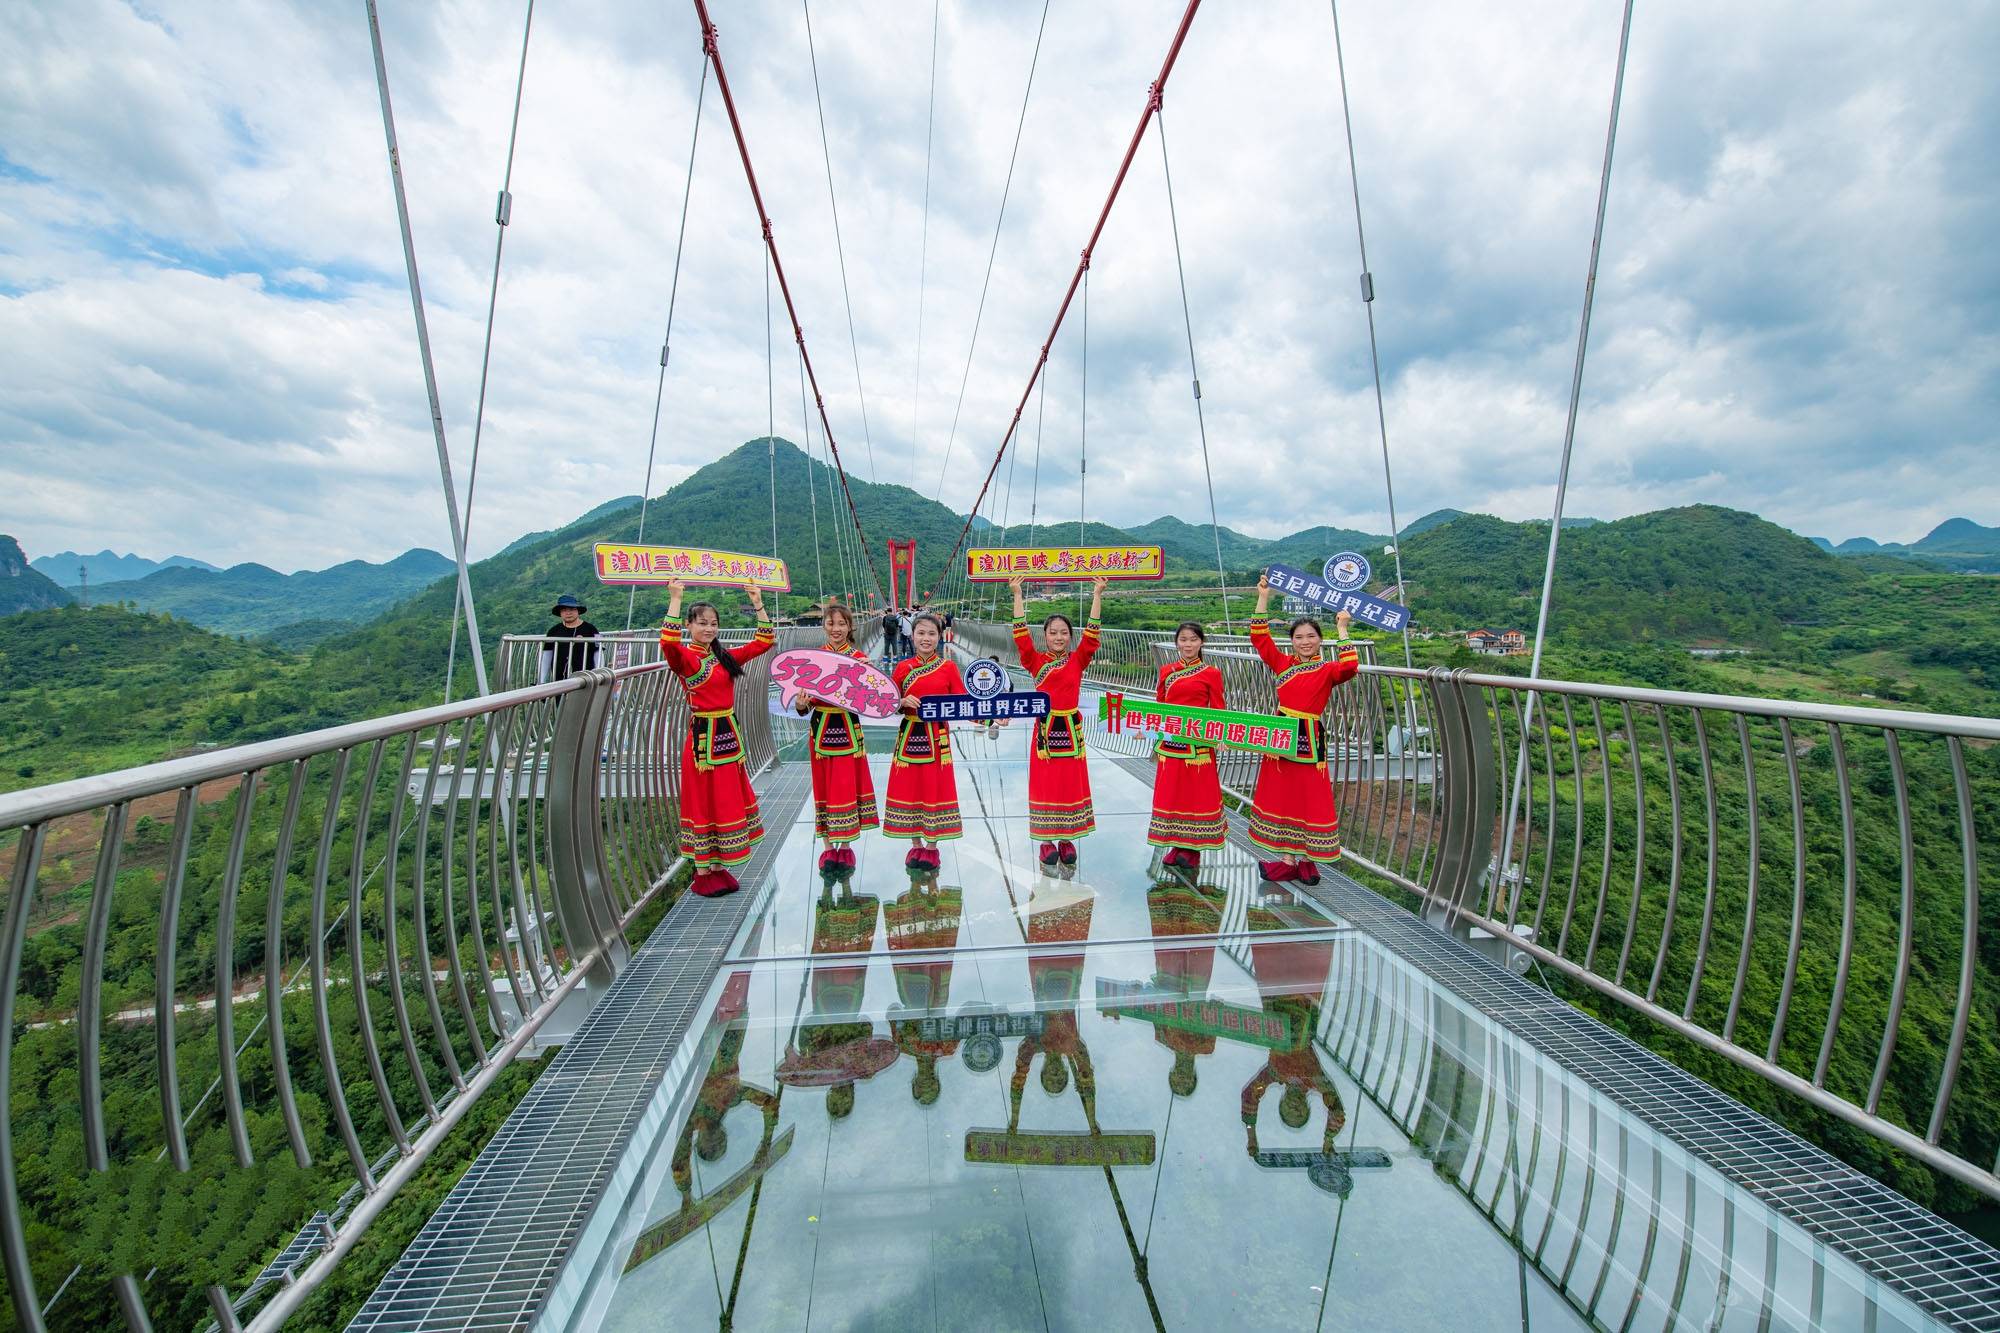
(1897, 719)
(34, 805)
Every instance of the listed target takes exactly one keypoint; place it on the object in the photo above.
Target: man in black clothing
(891, 631)
(560, 659)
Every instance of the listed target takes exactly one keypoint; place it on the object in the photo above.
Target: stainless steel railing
(1794, 887)
(400, 905)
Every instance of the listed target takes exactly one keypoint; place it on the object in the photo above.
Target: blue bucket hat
(569, 601)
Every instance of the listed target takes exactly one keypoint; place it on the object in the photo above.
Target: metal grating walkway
(1910, 1249)
(492, 1252)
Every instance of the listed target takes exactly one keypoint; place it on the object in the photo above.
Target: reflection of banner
(620, 563)
(1066, 562)
(965, 708)
(998, 1023)
(695, 1213)
(1201, 726)
(1203, 1015)
(1076, 1147)
(903, 561)
(858, 686)
(1361, 605)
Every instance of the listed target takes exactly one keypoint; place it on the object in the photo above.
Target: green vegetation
(22, 588)
(255, 599)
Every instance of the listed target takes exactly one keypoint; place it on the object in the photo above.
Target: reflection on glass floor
(1001, 1098)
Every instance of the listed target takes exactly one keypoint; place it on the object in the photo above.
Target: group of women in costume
(1292, 815)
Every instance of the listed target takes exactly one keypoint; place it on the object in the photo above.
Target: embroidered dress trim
(716, 740)
(834, 734)
(916, 819)
(1294, 837)
(1060, 734)
(724, 844)
(1179, 674)
(1197, 832)
(1053, 823)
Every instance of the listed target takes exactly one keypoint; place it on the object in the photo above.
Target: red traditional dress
(1292, 976)
(1058, 775)
(1194, 909)
(922, 798)
(927, 917)
(1187, 791)
(843, 791)
(1292, 812)
(719, 819)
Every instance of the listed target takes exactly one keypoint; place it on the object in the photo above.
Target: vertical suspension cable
(424, 347)
(1194, 372)
(1006, 519)
(667, 340)
(770, 409)
(1569, 437)
(1374, 355)
(979, 314)
(1083, 424)
(812, 487)
(1035, 487)
(838, 250)
(923, 252)
(503, 213)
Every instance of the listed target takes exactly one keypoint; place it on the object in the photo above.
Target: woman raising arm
(1059, 809)
(720, 823)
(1292, 814)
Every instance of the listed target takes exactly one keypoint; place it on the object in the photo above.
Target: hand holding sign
(847, 682)
(1317, 589)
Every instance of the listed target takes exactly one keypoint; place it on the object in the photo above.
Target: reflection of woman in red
(836, 1047)
(921, 803)
(1187, 791)
(1058, 912)
(722, 1091)
(927, 917)
(1292, 814)
(1194, 909)
(1291, 978)
(1059, 809)
(843, 791)
(720, 824)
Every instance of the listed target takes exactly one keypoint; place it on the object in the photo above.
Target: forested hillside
(21, 588)
(256, 599)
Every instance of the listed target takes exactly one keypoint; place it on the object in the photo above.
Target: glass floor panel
(1000, 1098)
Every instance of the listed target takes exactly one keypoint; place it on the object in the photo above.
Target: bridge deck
(802, 1109)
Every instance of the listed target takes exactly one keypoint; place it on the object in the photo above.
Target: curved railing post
(576, 832)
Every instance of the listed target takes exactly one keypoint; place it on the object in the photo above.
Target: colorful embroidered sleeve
(1024, 646)
(680, 659)
(1215, 689)
(764, 642)
(1086, 648)
(1346, 664)
(1267, 648)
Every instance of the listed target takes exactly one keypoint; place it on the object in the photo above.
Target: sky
(210, 348)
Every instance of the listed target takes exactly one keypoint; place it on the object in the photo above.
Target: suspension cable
(770, 412)
(839, 251)
(503, 213)
(1374, 354)
(812, 486)
(1117, 183)
(667, 342)
(712, 48)
(1083, 422)
(424, 348)
(1194, 373)
(1035, 486)
(979, 314)
(1569, 439)
(924, 248)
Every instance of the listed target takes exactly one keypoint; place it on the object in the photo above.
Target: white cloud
(215, 354)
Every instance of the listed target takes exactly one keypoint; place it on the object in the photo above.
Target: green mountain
(23, 588)
(608, 507)
(89, 690)
(1957, 544)
(256, 599)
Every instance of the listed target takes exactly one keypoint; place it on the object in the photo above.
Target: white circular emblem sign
(985, 678)
(1347, 572)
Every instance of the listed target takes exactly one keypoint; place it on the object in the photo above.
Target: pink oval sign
(856, 685)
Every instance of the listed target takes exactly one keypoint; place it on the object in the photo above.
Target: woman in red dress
(843, 791)
(720, 824)
(1292, 814)
(1187, 790)
(1059, 809)
(921, 803)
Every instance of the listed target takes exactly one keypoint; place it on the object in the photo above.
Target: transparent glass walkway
(1002, 1098)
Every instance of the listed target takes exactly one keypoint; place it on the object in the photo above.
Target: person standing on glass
(559, 660)
(1292, 814)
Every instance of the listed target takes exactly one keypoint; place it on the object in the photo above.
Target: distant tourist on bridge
(892, 632)
(720, 823)
(1059, 809)
(560, 659)
(1292, 814)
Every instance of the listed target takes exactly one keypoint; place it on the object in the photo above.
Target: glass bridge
(993, 1096)
(1000, 1097)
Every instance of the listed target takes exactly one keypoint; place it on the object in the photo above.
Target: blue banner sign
(966, 708)
(1314, 588)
